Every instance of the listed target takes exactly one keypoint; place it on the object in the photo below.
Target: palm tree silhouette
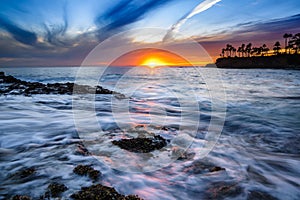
(277, 47)
(265, 49)
(239, 51)
(248, 49)
(243, 49)
(234, 51)
(286, 36)
(292, 45)
(295, 42)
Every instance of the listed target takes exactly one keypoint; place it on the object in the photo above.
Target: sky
(64, 32)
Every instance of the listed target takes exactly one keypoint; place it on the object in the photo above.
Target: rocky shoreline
(55, 189)
(282, 61)
(10, 85)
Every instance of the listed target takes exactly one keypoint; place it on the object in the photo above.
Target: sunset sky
(63, 32)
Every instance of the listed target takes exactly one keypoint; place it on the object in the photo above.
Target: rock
(81, 150)
(24, 173)
(30, 88)
(259, 195)
(84, 170)
(186, 156)
(141, 145)
(99, 191)
(222, 190)
(215, 169)
(202, 166)
(55, 190)
(20, 197)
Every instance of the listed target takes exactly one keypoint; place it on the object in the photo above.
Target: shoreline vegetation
(249, 56)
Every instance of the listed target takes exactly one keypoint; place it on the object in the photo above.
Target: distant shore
(281, 61)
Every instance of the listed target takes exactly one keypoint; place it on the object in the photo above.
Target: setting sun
(151, 58)
(153, 62)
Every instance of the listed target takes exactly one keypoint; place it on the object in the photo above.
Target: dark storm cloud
(18, 33)
(124, 13)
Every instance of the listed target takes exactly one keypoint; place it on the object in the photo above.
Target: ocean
(245, 121)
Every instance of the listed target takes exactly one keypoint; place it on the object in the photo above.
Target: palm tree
(229, 48)
(248, 49)
(234, 51)
(295, 42)
(243, 49)
(239, 51)
(256, 50)
(223, 53)
(265, 49)
(277, 47)
(286, 36)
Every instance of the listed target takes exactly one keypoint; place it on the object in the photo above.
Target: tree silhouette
(239, 51)
(265, 49)
(292, 44)
(277, 47)
(295, 42)
(223, 52)
(286, 36)
(233, 51)
(248, 49)
(243, 49)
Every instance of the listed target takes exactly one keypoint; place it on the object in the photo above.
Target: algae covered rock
(55, 190)
(141, 145)
(99, 191)
(86, 170)
(20, 197)
(24, 173)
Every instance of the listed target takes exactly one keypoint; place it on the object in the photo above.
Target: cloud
(275, 25)
(124, 13)
(206, 4)
(54, 33)
(256, 32)
(20, 34)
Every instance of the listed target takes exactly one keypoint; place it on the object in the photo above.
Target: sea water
(258, 144)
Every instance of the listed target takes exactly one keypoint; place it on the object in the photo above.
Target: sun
(153, 62)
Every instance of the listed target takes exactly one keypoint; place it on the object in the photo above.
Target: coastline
(281, 61)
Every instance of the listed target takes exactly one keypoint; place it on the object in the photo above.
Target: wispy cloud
(124, 13)
(20, 34)
(206, 4)
(54, 32)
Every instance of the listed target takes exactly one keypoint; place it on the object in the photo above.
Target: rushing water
(258, 147)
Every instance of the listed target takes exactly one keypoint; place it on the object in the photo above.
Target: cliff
(282, 61)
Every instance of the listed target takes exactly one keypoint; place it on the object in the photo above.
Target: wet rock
(24, 173)
(215, 169)
(186, 156)
(20, 197)
(99, 191)
(202, 166)
(141, 145)
(81, 150)
(55, 190)
(222, 190)
(16, 86)
(254, 174)
(86, 170)
(259, 195)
